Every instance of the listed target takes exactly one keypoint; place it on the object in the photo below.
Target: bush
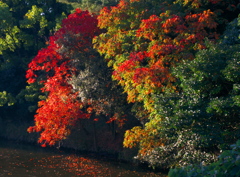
(228, 165)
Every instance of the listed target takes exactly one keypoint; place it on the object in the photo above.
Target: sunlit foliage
(144, 43)
(51, 67)
(176, 60)
(196, 123)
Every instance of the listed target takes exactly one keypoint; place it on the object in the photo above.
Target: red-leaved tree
(53, 68)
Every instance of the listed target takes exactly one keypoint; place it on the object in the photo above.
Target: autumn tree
(143, 48)
(200, 120)
(51, 67)
(77, 82)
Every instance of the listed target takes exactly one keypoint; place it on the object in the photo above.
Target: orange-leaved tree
(142, 46)
(52, 67)
(145, 40)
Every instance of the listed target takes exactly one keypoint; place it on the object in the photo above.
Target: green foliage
(31, 95)
(228, 165)
(35, 20)
(24, 28)
(8, 30)
(93, 6)
(6, 98)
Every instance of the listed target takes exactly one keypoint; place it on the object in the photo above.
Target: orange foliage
(142, 47)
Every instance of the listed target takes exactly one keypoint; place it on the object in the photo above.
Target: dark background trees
(25, 28)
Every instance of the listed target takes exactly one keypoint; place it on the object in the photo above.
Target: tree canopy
(173, 64)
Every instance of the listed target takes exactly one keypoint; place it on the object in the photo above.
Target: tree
(25, 28)
(61, 109)
(194, 125)
(144, 48)
(75, 79)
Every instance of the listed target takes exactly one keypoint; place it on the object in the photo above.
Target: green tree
(25, 28)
